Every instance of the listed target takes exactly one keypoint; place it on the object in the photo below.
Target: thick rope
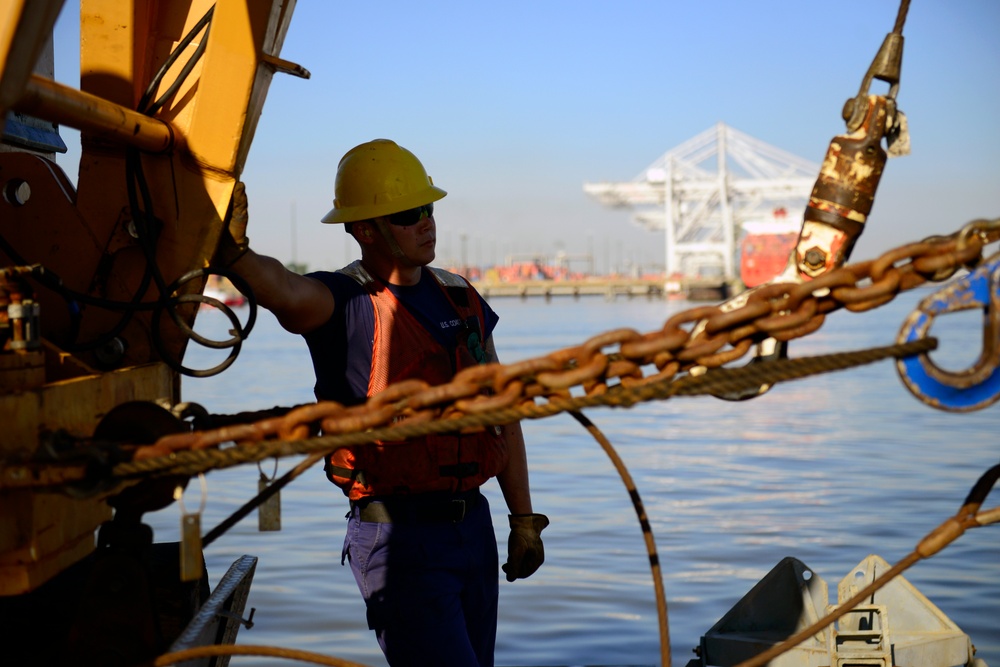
(216, 650)
(192, 462)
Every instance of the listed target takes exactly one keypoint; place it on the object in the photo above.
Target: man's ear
(363, 232)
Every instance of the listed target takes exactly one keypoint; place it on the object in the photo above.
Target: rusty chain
(192, 461)
(570, 378)
(792, 311)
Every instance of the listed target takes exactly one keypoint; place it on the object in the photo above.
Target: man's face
(417, 241)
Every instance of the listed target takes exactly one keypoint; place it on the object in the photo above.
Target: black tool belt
(418, 508)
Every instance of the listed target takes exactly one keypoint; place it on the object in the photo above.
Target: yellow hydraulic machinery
(99, 283)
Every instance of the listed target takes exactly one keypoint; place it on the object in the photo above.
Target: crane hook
(973, 388)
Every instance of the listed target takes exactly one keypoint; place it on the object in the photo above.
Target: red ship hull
(766, 247)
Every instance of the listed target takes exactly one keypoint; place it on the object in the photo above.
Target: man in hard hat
(420, 539)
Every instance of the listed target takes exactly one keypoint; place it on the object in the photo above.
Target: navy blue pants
(431, 589)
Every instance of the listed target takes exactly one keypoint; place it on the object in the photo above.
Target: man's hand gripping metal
(233, 243)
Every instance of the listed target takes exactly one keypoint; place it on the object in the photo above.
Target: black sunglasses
(412, 216)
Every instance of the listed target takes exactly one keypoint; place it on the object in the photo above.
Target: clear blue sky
(513, 106)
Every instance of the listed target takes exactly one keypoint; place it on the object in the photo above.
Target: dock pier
(609, 288)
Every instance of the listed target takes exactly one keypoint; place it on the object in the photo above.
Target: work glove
(525, 552)
(234, 244)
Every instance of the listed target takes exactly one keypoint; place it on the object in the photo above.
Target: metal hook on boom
(973, 388)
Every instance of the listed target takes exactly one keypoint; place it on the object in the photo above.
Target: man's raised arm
(300, 303)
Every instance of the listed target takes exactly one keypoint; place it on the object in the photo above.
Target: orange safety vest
(403, 349)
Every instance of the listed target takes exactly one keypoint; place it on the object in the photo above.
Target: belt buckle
(458, 507)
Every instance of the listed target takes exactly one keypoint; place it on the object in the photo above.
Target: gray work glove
(234, 244)
(525, 552)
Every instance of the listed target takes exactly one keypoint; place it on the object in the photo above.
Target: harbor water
(828, 469)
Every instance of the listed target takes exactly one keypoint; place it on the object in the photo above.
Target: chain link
(784, 311)
(618, 358)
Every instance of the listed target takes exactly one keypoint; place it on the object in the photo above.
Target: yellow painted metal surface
(43, 533)
(68, 106)
(77, 405)
(25, 26)
(185, 154)
(201, 134)
(22, 371)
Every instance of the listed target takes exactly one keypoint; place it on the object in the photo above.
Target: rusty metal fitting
(844, 192)
(814, 258)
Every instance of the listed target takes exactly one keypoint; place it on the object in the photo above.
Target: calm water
(827, 469)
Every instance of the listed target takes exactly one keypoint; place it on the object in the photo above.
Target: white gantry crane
(702, 202)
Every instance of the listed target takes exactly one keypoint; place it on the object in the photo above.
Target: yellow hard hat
(379, 178)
